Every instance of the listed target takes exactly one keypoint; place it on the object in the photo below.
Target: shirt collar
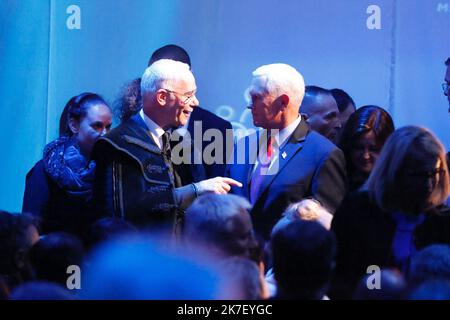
(286, 132)
(155, 130)
(152, 126)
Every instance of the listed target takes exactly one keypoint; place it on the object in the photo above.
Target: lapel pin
(284, 154)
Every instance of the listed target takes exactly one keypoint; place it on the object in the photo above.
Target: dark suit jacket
(210, 121)
(54, 207)
(132, 177)
(365, 234)
(311, 167)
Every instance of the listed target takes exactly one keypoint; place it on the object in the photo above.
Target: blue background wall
(44, 63)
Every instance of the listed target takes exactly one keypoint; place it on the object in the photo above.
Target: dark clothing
(56, 209)
(210, 121)
(309, 166)
(133, 179)
(365, 235)
(131, 104)
(355, 183)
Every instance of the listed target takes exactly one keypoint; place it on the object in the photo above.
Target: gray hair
(307, 209)
(164, 73)
(280, 78)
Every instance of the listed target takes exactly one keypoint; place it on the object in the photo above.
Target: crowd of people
(327, 200)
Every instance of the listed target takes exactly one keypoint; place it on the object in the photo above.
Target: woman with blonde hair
(398, 211)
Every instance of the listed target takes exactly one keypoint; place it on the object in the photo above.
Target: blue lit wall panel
(393, 56)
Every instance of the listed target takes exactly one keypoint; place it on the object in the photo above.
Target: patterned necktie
(167, 153)
(166, 144)
(261, 170)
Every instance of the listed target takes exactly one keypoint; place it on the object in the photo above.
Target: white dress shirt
(281, 139)
(155, 130)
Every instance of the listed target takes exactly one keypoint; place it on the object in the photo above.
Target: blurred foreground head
(143, 268)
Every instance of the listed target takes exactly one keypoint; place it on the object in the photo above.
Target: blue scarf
(68, 168)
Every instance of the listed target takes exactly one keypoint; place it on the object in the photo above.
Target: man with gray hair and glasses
(136, 177)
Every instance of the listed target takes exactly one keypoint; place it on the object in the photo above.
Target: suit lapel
(294, 145)
(252, 156)
(141, 132)
(136, 141)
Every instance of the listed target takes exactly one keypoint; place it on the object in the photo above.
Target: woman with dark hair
(129, 101)
(398, 211)
(361, 141)
(59, 187)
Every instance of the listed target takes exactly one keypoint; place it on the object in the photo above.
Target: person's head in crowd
(170, 51)
(308, 209)
(274, 95)
(258, 254)
(220, 223)
(303, 260)
(434, 289)
(106, 229)
(129, 100)
(246, 277)
(321, 111)
(411, 174)
(362, 139)
(446, 84)
(345, 104)
(53, 254)
(142, 267)
(392, 286)
(86, 117)
(41, 290)
(168, 91)
(18, 233)
(432, 262)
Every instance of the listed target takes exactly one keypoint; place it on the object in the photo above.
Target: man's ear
(284, 101)
(74, 125)
(161, 97)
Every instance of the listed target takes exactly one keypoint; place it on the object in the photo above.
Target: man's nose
(366, 154)
(195, 102)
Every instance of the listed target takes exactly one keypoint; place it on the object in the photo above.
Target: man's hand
(218, 185)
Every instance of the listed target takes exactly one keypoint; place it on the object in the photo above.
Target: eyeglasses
(188, 96)
(445, 87)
